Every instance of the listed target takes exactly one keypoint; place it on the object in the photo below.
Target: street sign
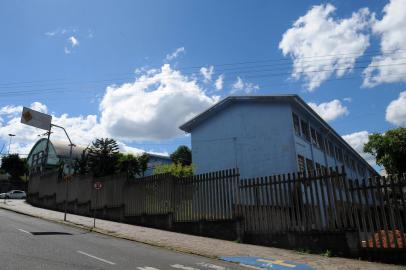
(98, 185)
(36, 119)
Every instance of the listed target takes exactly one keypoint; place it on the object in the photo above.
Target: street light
(11, 136)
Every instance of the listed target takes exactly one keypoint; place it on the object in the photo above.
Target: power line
(305, 59)
(59, 90)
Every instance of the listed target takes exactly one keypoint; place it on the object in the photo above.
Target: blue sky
(61, 56)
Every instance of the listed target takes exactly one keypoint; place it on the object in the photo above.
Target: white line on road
(183, 267)
(211, 266)
(97, 258)
(24, 231)
(147, 268)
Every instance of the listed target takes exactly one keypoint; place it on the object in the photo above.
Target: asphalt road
(31, 243)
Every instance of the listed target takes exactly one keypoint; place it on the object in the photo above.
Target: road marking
(94, 257)
(250, 266)
(183, 267)
(147, 268)
(277, 262)
(24, 231)
(212, 266)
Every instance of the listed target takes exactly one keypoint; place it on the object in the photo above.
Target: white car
(14, 194)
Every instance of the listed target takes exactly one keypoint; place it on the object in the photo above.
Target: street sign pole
(94, 211)
(97, 186)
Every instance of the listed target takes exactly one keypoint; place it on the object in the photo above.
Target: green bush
(175, 169)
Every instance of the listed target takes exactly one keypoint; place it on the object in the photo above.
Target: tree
(389, 149)
(129, 164)
(14, 166)
(143, 162)
(81, 165)
(175, 169)
(103, 156)
(182, 155)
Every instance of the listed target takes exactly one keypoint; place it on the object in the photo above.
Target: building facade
(156, 160)
(267, 135)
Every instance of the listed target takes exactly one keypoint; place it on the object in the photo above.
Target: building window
(305, 129)
(330, 144)
(346, 160)
(361, 170)
(324, 170)
(339, 154)
(318, 168)
(313, 136)
(310, 166)
(326, 146)
(296, 124)
(319, 140)
(353, 164)
(301, 163)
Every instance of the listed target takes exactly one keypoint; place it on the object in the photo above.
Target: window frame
(305, 129)
(301, 161)
(298, 130)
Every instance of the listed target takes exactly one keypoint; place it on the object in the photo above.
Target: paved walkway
(208, 247)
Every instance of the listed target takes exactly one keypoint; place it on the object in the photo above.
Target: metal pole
(47, 148)
(70, 168)
(9, 144)
(94, 210)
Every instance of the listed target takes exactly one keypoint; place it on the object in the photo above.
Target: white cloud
(10, 109)
(152, 107)
(239, 84)
(175, 54)
(137, 151)
(330, 111)
(207, 73)
(348, 99)
(73, 41)
(60, 32)
(357, 141)
(51, 33)
(396, 111)
(81, 129)
(38, 106)
(219, 82)
(318, 33)
(389, 66)
(66, 50)
(245, 87)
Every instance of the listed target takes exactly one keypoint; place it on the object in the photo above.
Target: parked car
(14, 194)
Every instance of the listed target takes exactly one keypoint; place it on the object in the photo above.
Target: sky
(136, 70)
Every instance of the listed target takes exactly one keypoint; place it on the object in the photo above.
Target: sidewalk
(203, 246)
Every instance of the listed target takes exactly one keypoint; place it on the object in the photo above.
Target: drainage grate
(50, 233)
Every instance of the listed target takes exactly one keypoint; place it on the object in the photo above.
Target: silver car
(14, 194)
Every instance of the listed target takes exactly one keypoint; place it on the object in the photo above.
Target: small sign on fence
(98, 185)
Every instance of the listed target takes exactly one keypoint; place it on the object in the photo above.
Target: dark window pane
(305, 130)
(300, 162)
(296, 124)
(310, 166)
(320, 140)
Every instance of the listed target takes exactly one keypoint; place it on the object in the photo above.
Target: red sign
(97, 185)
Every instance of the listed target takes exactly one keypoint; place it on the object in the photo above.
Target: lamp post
(11, 136)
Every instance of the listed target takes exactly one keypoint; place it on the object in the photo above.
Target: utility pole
(9, 144)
